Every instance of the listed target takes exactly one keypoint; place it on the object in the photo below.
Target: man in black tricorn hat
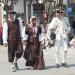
(12, 38)
(61, 25)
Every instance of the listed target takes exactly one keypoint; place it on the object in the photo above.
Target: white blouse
(60, 25)
(25, 36)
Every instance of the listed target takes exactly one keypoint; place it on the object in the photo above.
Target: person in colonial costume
(13, 39)
(61, 26)
(33, 52)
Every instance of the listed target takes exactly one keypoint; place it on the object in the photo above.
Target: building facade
(28, 8)
(24, 9)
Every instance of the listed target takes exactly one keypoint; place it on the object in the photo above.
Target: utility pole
(24, 11)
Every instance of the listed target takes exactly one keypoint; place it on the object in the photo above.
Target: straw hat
(32, 18)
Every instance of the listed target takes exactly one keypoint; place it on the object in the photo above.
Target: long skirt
(34, 56)
(15, 49)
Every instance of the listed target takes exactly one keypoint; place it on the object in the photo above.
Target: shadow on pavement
(72, 65)
(46, 68)
(50, 67)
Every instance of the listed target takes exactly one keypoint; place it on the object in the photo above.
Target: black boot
(16, 66)
(57, 66)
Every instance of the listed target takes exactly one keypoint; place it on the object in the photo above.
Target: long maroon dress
(33, 52)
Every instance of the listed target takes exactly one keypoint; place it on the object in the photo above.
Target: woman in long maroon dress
(33, 52)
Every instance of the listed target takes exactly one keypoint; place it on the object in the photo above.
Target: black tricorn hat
(62, 11)
(12, 12)
(57, 11)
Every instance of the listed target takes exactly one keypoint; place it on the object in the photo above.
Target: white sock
(57, 57)
(15, 60)
(12, 65)
(57, 54)
(64, 55)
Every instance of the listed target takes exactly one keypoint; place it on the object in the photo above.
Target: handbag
(53, 35)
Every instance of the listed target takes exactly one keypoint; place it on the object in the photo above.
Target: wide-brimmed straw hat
(33, 18)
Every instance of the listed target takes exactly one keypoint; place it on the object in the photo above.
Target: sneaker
(57, 65)
(64, 64)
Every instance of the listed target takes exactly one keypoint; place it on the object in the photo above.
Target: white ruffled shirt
(60, 25)
(25, 36)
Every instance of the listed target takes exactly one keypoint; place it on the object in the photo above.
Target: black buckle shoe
(64, 65)
(57, 65)
(16, 66)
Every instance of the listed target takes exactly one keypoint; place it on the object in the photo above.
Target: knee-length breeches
(15, 49)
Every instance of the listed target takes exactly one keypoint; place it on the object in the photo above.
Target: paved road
(49, 60)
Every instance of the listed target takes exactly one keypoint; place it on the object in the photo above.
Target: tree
(61, 4)
(50, 5)
(8, 5)
(48, 0)
(0, 2)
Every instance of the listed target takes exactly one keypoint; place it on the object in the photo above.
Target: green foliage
(0, 2)
(48, 0)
